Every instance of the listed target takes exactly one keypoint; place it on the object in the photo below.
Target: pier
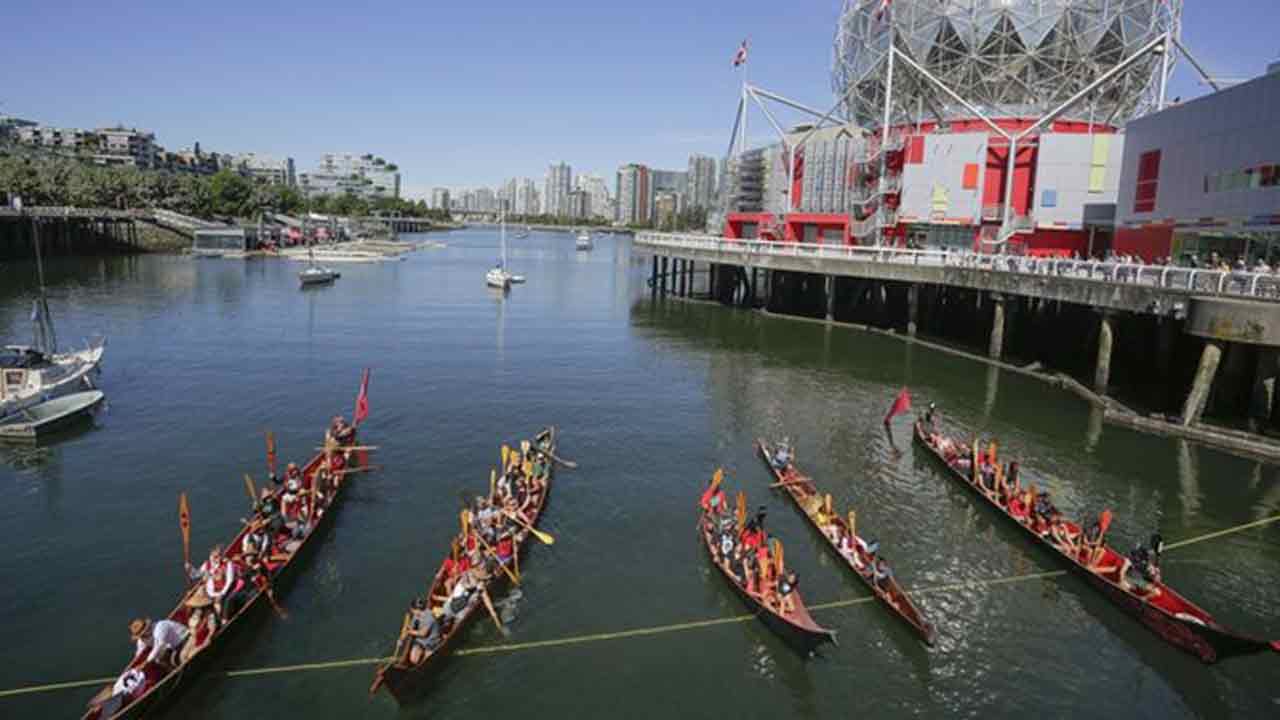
(68, 231)
(1191, 340)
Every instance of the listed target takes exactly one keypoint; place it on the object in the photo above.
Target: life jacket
(221, 576)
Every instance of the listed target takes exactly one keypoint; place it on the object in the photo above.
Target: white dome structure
(1009, 58)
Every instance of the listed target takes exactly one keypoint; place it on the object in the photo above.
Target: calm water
(206, 355)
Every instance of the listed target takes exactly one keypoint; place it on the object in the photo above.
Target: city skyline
(405, 99)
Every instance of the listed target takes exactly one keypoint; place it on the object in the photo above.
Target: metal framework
(1011, 58)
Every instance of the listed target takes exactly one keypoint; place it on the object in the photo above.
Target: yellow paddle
(546, 538)
(249, 488)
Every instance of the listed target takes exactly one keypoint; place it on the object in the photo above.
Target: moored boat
(32, 422)
(1177, 620)
(29, 376)
(405, 679)
(852, 549)
(145, 685)
(318, 275)
(789, 619)
(583, 240)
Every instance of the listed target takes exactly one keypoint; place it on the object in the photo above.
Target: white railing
(1192, 280)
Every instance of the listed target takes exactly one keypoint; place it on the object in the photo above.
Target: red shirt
(752, 538)
(505, 546)
(711, 494)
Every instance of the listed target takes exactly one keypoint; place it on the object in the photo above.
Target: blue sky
(462, 93)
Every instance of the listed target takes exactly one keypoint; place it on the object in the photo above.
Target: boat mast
(44, 338)
(503, 233)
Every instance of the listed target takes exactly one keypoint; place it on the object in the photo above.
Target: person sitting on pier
(782, 454)
(787, 585)
(164, 639)
(423, 632)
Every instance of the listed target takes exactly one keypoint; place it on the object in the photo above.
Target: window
(1144, 197)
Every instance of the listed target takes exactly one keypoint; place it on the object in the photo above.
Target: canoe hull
(408, 684)
(919, 625)
(1207, 642)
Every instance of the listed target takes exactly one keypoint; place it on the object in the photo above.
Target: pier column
(1199, 395)
(1102, 369)
(653, 278)
(690, 275)
(677, 283)
(831, 297)
(1264, 384)
(665, 260)
(913, 307)
(996, 348)
(754, 284)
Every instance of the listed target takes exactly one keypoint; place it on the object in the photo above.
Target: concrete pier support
(1102, 368)
(996, 347)
(663, 277)
(653, 278)
(913, 308)
(1193, 408)
(755, 284)
(830, 288)
(1264, 384)
(681, 276)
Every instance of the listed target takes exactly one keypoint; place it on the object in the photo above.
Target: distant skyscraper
(507, 195)
(558, 184)
(526, 197)
(486, 200)
(633, 194)
(440, 199)
(579, 204)
(595, 186)
(671, 181)
(702, 181)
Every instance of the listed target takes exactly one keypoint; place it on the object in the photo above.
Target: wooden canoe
(890, 593)
(162, 685)
(797, 627)
(1174, 618)
(407, 682)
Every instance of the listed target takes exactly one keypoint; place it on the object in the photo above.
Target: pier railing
(1265, 286)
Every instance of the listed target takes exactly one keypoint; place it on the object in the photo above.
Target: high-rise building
(486, 200)
(579, 204)
(595, 186)
(360, 175)
(672, 181)
(558, 184)
(702, 181)
(633, 194)
(667, 205)
(440, 199)
(526, 197)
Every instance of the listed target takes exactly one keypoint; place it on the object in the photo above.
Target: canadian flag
(740, 57)
(884, 8)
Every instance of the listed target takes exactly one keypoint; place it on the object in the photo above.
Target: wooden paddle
(346, 448)
(506, 455)
(362, 468)
(741, 513)
(514, 578)
(401, 647)
(271, 452)
(567, 463)
(488, 604)
(799, 480)
(249, 488)
(546, 538)
(271, 598)
(493, 483)
(184, 522)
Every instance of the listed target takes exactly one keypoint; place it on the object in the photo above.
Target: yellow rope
(635, 632)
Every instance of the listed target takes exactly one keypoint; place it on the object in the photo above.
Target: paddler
(713, 501)
(219, 576)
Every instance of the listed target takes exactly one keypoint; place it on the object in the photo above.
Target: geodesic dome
(1009, 58)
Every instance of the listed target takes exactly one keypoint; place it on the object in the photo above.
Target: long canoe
(406, 681)
(806, 496)
(161, 684)
(797, 627)
(1176, 619)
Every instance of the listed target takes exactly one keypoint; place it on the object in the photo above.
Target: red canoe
(1168, 614)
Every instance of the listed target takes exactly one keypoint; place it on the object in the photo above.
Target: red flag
(362, 400)
(900, 405)
(740, 57)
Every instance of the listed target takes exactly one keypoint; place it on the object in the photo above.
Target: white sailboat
(498, 277)
(317, 274)
(31, 374)
(584, 240)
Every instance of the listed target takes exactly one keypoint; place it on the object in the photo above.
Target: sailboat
(31, 374)
(317, 274)
(498, 277)
(584, 240)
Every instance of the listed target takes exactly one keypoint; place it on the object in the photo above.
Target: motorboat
(45, 417)
(583, 241)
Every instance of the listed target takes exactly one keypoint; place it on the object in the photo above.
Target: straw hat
(138, 628)
(198, 599)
